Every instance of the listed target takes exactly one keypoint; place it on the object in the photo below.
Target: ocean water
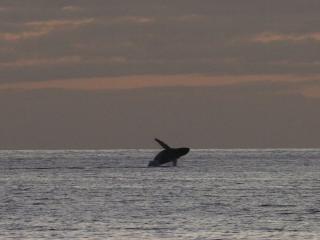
(212, 194)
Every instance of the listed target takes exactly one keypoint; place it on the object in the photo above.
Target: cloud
(131, 19)
(269, 37)
(59, 61)
(12, 37)
(300, 84)
(71, 8)
(123, 38)
(40, 62)
(58, 24)
(38, 29)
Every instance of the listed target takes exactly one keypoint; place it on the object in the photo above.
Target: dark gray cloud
(43, 40)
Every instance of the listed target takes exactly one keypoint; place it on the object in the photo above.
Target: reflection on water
(213, 194)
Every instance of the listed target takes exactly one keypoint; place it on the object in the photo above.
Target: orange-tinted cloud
(38, 62)
(71, 8)
(268, 37)
(42, 61)
(41, 28)
(143, 81)
(12, 37)
(58, 24)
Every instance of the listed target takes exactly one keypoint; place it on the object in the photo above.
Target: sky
(104, 74)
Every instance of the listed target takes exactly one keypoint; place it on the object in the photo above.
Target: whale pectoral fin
(153, 164)
(165, 146)
(174, 162)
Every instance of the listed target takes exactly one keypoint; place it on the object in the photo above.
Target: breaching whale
(167, 155)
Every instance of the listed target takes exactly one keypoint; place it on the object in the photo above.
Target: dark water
(212, 194)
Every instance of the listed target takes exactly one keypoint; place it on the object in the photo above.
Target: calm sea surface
(212, 194)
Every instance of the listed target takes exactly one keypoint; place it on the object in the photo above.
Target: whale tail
(165, 146)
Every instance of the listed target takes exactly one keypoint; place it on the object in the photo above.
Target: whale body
(169, 154)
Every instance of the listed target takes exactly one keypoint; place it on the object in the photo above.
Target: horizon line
(154, 149)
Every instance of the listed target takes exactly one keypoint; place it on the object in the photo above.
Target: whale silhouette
(169, 154)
